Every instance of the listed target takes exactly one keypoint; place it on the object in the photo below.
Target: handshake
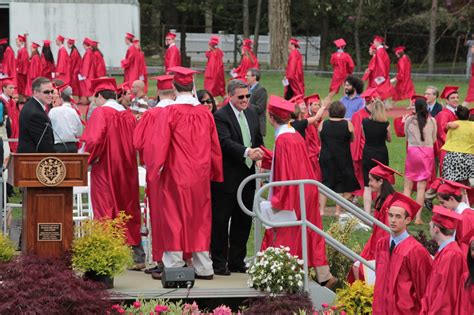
(255, 154)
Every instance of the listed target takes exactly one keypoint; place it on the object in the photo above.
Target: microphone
(56, 135)
(41, 138)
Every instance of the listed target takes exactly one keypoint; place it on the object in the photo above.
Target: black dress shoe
(222, 272)
(238, 269)
(158, 268)
(210, 277)
(156, 275)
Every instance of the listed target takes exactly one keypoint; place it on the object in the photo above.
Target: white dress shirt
(66, 123)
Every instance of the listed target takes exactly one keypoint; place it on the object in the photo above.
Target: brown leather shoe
(137, 267)
(331, 283)
(156, 275)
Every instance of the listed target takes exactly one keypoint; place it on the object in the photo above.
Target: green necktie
(244, 129)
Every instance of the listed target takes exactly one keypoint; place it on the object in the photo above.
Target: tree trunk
(432, 43)
(257, 27)
(245, 15)
(323, 42)
(208, 17)
(184, 58)
(280, 32)
(356, 36)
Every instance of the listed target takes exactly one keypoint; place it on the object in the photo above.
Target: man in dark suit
(36, 134)
(239, 136)
(258, 98)
(431, 94)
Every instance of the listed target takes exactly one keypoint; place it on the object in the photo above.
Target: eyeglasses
(208, 101)
(47, 92)
(241, 97)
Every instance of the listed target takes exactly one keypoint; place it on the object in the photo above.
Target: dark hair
(447, 196)
(444, 231)
(462, 112)
(279, 120)
(336, 110)
(470, 267)
(48, 55)
(73, 46)
(95, 48)
(2, 51)
(200, 97)
(107, 94)
(356, 83)
(38, 82)
(66, 98)
(421, 115)
(385, 191)
(183, 88)
(255, 73)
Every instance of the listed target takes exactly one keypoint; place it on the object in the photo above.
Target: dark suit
(436, 109)
(258, 101)
(232, 248)
(35, 135)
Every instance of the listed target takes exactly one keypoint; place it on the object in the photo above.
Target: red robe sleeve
(140, 133)
(465, 226)
(465, 298)
(172, 57)
(95, 135)
(442, 120)
(368, 75)
(267, 158)
(217, 172)
(99, 62)
(62, 66)
(128, 63)
(22, 62)
(214, 79)
(357, 145)
(8, 63)
(349, 63)
(399, 127)
(294, 72)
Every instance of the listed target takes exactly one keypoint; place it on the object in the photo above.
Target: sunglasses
(47, 92)
(208, 101)
(241, 97)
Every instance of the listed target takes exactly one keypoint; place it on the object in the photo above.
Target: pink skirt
(419, 163)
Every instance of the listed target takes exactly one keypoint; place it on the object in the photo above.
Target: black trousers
(67, 147)
(229, 245)
(289, 93)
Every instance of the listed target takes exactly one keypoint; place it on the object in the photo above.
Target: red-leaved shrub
(34, 285)
(280, 305)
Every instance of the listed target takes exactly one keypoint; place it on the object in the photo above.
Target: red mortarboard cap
(311, 99)
(102, 84)
(94, 43)
(87, 41)
(135, 40)
(448, 90)
(399, 49)
(21, 38)
(405, 202)
(60, 38)
(295, 42)
(370, 94)
(214, 40)
(280, 107)
(34, 45)
(297, 99)
(247, 42)
(129, 36)
(382, 170)
(7, 81)
(340, 42)
(182, 75)
(164, 82)
(413, 98)
(372, 46)
(436, 183)
(170, 35)
(61, 88)
(71, 41)
(379, 38)
(3, 41)
(445, 217)
(123, 87)
(450, 187)
(46, 42)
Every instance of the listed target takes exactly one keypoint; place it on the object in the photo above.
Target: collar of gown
(113, 104)
(286, 128)
(186, 99)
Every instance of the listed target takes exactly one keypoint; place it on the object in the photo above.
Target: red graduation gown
(369, 73)
(34, 71)
(8, 65)
(22, 65)
(464, 227)
(47, 68)
(87, 71)
(75, 64)
(184, 145)
(357, 147)
(172, 57)
(114, 175)
(382, 70)
(140, 64)
(404, 88)
(249, 60)
(294, 73)
(291, 162)
(465, 298)
(214, 79)
(401, 278)
(99, 65)
(62, 67)
(343, 66)
(141, 139)
(442, 119)
(130, 70)
(444, 281)
(470, 89)
(313, 144)
(14, 115)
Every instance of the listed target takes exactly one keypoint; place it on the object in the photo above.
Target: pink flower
(191, 307)
(116, 306)
(222, 310)
(121, 310)
(161, 308)
(324, 305)
(137, 304)
(343, 313)
(334, 308)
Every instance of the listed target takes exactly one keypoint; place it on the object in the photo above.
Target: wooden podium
(47, 180)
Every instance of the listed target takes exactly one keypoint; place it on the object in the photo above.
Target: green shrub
(356, 298)
(7, 249)
(102, 248)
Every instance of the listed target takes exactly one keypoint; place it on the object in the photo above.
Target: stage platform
(135, 284)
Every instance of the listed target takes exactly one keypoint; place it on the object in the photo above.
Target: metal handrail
(303, 222)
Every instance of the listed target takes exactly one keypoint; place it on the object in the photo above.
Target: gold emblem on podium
(51, 171)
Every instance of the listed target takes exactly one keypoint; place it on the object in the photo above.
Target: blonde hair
(378, 111)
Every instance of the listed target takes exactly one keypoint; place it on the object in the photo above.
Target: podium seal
(51, 171)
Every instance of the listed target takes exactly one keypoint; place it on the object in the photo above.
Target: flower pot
(106, 280)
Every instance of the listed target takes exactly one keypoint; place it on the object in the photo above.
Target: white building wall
(104, 22)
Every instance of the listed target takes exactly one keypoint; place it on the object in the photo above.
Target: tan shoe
(137, 267)
(331, 283)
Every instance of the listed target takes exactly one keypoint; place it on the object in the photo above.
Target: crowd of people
(197, 151)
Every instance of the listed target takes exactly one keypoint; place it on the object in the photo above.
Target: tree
(245, 14)
(257, 27)
(432, 43)
(280, 32)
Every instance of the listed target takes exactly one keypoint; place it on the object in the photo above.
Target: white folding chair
(7, 206)
(82, 211)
